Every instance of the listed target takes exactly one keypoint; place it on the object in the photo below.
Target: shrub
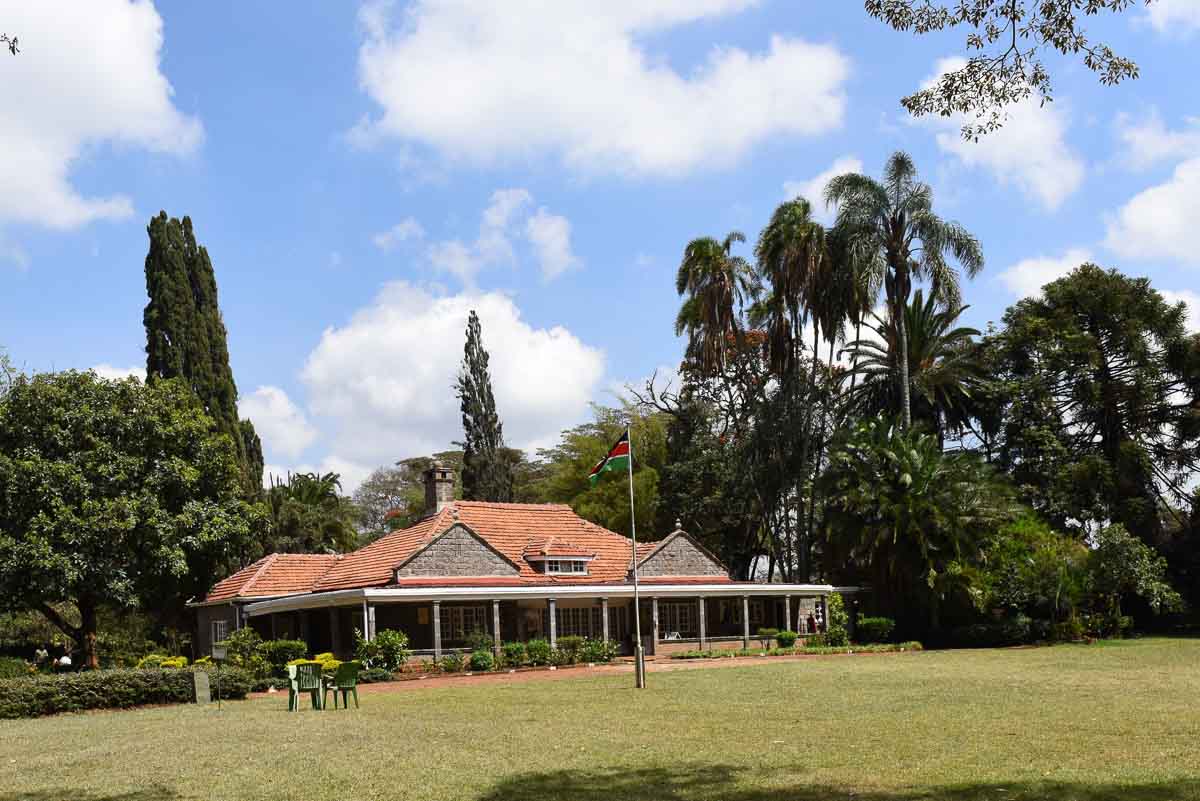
(765, 636)
(836, 621)
(374, 675)
(559, 657)
(817, 640)
(259, 685)
(235, 682)
(786, 638)
(1013, 631)
(538, 652)
(106, 689)
(278, 653)
(598, 651)
(150, 661)
(245, 649)
(513, 654)
(12, 667)
(389, 650)
(1070, 630)
(479, 640)
(874, 629)
(482, 660)
(452, 662)
(570, 646)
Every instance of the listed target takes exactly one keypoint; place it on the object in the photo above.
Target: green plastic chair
(345, 681)
(304, 679)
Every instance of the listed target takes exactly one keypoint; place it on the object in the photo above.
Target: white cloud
(283, 427)
(1149, 142)
(1161, 222)
(485, 81)
(1027, 277)
(550, 235)
(385, 379)
(1030, 151)
(813, 190)
(507, 218)
(1192, 299)
(350, 473)
(406, 229)
(112, 373)
(87, 76)
(1174, 16)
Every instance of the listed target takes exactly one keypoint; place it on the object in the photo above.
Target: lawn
(1109, 722)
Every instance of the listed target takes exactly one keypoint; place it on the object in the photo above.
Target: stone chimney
(439, 488)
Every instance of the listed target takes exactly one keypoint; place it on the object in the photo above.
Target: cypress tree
(486, 474)
(185, 336)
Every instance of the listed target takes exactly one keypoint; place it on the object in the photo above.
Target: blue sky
(363, 175)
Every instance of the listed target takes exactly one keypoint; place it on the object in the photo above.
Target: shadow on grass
(72, 794)
(713, 783)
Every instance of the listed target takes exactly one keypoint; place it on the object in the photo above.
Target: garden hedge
(35, 696)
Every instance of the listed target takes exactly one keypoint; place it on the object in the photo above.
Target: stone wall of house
(680, 557)
(457, 553)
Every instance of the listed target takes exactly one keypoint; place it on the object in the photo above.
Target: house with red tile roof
(509, 571)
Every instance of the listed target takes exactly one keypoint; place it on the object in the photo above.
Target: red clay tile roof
(274, 575)
(513, 529)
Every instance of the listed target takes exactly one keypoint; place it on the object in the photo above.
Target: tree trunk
(854, 358)
(87, 630)
(902, 328)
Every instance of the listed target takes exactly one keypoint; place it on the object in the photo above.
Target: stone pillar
(787, 612)
(746, 622)
(496, 626)
(436, 618)
(333, 629)
(371, 620)
(551, 613)
(604, 618)
(703, 637)
(654, 616)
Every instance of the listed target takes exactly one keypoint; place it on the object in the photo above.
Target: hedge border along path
(36, 696)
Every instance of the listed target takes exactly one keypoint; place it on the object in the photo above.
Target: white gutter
(319, 600)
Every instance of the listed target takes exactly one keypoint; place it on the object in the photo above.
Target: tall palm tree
(942, 364)
(714, 284)
(893, 231)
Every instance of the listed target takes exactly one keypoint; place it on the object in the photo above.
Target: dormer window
(577, 567)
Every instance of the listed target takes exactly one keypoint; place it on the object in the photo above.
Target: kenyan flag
(617, 459)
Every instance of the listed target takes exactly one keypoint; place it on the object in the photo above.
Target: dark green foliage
(598, 651)
(115, 493)
(1013, 631)
(388, 650)
(279, 652)
(12, 667)
(714, 284)
(487, 472)
(1123, 565)
(765, 635)
(538, 651)
(874, 629)
(512, 654)
(569, 647)
(452, 662)
(185, 335)
(309, 515)
(107, 689)
(245, 650)
(816, 647)
(836, 626)
(374, 675)
(786, 638)
(479, 640)
(482, 661)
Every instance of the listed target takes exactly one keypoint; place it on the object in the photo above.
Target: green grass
(1118, 722)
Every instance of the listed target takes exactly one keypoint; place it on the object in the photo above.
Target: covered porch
(441, 620)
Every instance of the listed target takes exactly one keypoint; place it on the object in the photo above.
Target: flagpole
(639, 656)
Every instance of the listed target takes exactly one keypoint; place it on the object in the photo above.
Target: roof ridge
(267, 561)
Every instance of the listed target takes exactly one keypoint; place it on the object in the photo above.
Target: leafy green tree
(114, 493)
(185, 335)
(487, 473)
(891, 231)
(1007, 38)
(943, 368)
(1123, 565)
(1097, 382)
(308, 514)
(911, 518)
(1029, 568)
(714, 284)
(8, 373)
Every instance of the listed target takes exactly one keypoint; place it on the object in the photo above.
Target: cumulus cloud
(1161, 222)
(1174, 16)
(507, 218)
(1192, 299)
(485, 81)
(112, 373)
(1027, 277)
(1148, 141)
(282, 425)
(384, 380)
(813, 190)
(88, 75)
(1029, 152)
(403, 231)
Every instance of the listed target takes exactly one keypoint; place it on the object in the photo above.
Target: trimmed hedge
(108, 689)
(878, 648)
(874, 629)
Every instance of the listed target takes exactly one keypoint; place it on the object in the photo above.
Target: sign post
(219, 652)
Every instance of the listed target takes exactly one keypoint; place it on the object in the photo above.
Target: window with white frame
(731, 611)
(458, 622)
(572, 566)
(220, 630)
(677, 617)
